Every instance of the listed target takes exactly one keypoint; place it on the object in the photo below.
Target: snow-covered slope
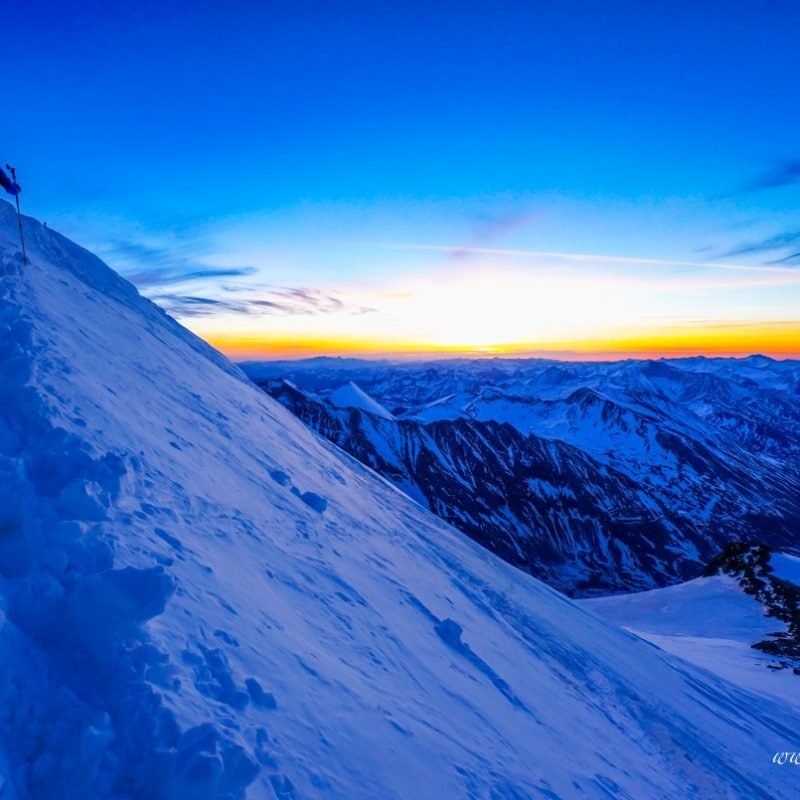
(200, 596)
(740, 620)
(786, 567)
(710, 622)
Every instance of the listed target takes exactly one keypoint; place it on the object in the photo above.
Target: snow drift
(201, 599)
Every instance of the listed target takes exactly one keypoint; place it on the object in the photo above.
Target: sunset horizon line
(299, 352)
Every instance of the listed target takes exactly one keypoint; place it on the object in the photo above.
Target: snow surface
(351, 396)
(710, 622)
(786, 567)
(200, 596)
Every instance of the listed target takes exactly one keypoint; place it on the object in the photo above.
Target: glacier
(202, 600)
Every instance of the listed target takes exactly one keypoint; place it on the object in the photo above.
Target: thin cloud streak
(458, 251)
(147, 266)
(777, 242)
(280, 302)
(785, 173)
(794, 258)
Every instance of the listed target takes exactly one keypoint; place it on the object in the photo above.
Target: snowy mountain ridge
(201, 600)
(542, 505)
(603, 477)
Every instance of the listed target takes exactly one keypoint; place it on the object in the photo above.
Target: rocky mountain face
(593, 477)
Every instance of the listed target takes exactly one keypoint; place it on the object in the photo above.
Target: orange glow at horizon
(492, 308)
(778, 340)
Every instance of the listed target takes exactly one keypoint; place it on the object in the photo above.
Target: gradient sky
(577, 178)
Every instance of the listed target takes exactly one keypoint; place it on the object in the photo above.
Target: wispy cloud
(793, 259)
(306, 301)
(278, 302)
(784, 173)
(148, 266)
(781, 241)
(576, 257)
(493, 226)
(173, 273)
(181, 305)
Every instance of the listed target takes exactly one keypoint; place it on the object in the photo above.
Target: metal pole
(19, 214)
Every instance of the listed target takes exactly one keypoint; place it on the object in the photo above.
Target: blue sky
(275, 171)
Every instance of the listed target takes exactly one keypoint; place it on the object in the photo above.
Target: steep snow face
(351, 396)
(786, 567)
(202, 600)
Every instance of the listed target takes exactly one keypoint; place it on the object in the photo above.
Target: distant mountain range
(595, 477)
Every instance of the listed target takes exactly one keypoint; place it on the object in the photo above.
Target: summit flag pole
(19, 214)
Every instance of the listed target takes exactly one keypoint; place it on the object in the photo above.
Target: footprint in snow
(311, 499)
(280, 477)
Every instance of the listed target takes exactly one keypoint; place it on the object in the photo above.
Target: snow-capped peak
(350, 395)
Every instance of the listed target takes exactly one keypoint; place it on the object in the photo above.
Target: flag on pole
(11, 186)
